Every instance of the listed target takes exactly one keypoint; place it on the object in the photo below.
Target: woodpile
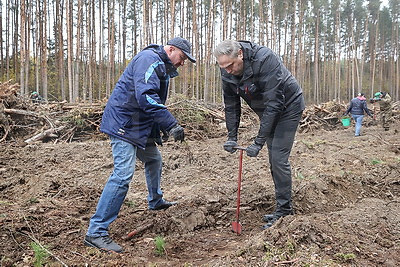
(326, 116)
(21, 119)
(24, 122)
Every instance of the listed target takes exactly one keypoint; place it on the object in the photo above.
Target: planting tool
(236, 226)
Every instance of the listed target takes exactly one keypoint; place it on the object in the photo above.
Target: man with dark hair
(256, 74)
(133, 117)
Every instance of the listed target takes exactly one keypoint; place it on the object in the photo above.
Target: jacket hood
(249, 57)
(159, 49)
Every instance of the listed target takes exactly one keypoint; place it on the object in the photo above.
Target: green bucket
(346, 122)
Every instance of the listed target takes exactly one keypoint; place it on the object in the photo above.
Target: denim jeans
(358, 119)
(117, 186)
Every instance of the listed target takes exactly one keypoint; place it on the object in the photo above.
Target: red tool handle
(239, 184)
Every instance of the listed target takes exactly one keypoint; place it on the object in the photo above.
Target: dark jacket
(135, 110)
(266, 85)
(358, 106)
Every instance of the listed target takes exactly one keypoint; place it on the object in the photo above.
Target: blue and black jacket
(136, 109)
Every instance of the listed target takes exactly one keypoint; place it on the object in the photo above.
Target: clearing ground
(346, 195)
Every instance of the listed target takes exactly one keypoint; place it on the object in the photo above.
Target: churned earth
(346, 193)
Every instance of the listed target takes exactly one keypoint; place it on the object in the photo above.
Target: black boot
(270, 223)
(269, 217)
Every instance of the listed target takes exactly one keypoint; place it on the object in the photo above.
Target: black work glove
(178, 133)
(229, 146)
(253, 150)
(165, 135)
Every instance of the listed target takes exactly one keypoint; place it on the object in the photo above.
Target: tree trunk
(43, 53)
(69, 15)
(316, 58)
(60, 47)
(23, 88)
(77, 62)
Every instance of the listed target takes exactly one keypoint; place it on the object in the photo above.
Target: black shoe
(273, 218)
(269, 217)
(271, 222)
(165, 205)
(102, 242)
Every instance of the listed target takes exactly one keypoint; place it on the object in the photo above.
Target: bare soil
(346, 193)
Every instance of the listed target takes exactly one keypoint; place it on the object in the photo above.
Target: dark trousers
(279, 148)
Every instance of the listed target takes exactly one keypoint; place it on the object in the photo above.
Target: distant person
(385, 107)
(133, 117)
(36, 98)
(257, 75)
(357, 107)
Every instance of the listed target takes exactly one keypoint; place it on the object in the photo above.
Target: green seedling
(376, 161)
(311, 145)
(345, 257)
(299, 176)
(160, 245)
(41, 254)
(130, 203)
(33, 200)
(273, 253)
(5, 203)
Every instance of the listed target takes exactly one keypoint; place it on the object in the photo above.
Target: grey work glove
(230, 146)
(253, 150)
(178, 133)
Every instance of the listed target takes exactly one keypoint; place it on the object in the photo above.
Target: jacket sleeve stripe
(151, 69)
(151, 101)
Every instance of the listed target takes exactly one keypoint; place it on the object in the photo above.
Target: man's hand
(178, 133)
(253, 150)
(229, 146)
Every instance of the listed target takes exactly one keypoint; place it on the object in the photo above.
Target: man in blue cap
(133, 118)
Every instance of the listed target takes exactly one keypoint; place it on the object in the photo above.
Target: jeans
(279, 148)
(117, 186)
(358, 119)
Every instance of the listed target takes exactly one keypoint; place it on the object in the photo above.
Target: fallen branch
(28, 113)
(43, 134)
(21, 112)
(286, 262)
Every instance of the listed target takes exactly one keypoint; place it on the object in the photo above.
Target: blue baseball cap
(183, 45)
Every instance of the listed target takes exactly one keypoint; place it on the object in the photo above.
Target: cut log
(44, 134)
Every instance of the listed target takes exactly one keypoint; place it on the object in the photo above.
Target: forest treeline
(75, 50)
